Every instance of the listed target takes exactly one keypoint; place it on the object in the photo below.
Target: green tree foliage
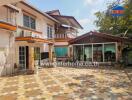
(115, 25)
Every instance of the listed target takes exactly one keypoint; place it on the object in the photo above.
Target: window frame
(30, 21)
(49, 31)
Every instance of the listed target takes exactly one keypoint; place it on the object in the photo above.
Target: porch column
(92, 52)
(31, 58)
(119, 48)
(103, 53)
(51, 52)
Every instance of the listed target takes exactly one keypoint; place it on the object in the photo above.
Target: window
(49, 31)
(110, 52)
(29, 22)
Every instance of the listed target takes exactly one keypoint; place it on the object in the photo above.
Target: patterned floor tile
(68, 84)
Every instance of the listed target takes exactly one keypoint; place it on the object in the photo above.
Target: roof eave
(69, 17)
(39, 11)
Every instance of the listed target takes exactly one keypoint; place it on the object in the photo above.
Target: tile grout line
(42, 87)
(21, 89)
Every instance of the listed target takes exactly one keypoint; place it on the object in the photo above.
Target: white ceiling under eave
(4, 2)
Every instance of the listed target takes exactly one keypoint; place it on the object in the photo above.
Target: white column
(92, 52)
(83, 52)
(117, 57)
(103, 53)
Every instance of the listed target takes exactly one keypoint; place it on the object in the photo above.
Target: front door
(22, 57)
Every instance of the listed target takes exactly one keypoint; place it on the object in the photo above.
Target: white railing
(25, 33)
(63, 36)
(8, 20)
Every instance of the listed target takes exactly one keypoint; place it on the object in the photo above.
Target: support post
(92, 52)
(31, 58)
(50, 52)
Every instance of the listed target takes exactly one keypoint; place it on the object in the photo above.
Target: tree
(115, 25)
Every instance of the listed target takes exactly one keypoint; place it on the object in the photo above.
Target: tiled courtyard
(68, 84)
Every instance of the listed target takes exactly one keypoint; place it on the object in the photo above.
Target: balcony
(8, 23)
(63, 37)
(31, 37)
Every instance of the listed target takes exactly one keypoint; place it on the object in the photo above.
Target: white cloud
(93, 11)
(90, 2)
(87, 24)
(84, 21)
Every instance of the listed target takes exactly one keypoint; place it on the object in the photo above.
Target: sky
(82, 10)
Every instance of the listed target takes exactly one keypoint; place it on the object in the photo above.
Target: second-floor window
(49, 31)
(29, 22)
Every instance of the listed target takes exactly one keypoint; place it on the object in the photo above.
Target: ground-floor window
(102, 52)
(61, 51)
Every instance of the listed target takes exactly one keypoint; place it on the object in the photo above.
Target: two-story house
(34, 28)
(28, 35)
(64, 32)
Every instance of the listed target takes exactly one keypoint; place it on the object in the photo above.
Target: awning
(33, 40)
(8, 26)
(68, 20)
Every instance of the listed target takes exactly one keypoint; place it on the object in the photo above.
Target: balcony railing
(11, 21)
(28, 34)
(61, 36)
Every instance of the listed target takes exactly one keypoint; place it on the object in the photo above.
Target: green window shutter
(61, 51)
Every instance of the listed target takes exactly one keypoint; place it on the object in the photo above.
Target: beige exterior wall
(7, 15)
(7, 48)
(61, 43)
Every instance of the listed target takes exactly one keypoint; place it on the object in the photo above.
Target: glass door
(98, 52)
(22, 57)
(88, 53)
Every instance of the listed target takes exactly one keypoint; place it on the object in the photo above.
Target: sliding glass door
(95, 52)
(98, 52)
(88, 53)
(78, 53)
(109, 52)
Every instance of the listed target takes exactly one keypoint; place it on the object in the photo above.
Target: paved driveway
(68, 84)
